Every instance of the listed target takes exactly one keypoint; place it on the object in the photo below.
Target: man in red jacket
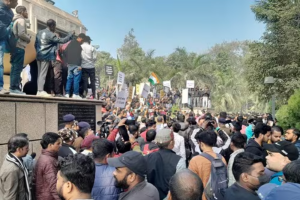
(46, 168)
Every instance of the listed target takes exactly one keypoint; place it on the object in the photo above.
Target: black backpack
(218, 181)
(11, 40)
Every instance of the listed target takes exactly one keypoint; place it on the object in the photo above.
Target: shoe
(43, 94)
(17, 92)
(3, 91)
(59, 95)
(76, 96)
(67, 96)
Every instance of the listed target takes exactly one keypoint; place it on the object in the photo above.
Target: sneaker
(59, 95)
(76, 96)
(3, 91)
(67, 96)
(43, 94)
(17, 92)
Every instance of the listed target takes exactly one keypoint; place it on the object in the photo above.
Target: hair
(181, 189)
(292, 172)
(261, 128)
(150, 123)
(237, 126)
(122, 146)
(51, 22)
(176, 127)
(160, 119)
(207, 137)
(49, 138)
(24, 135)
(79, 170)
(163, 145)
(223, 115)
(150, 135)
(170, 124)
(277, 129)
(102, 147)
(240, 119)
(144, 119)
(296, 132)
(33, 155)
(239, 140)
(243, 164)
(133, 129)
(191, 121)
(20, 9)
(181, 118)
(16, 142)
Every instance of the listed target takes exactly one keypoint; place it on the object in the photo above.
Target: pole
(273, 106)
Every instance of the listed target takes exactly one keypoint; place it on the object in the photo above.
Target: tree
(277, 54)
(288, 115)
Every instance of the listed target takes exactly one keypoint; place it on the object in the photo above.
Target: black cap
(285, 148)
(132, 160)
(68, 118)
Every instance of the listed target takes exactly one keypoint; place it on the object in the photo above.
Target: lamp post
(271, 80)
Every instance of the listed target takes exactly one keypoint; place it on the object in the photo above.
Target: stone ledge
(36, 99)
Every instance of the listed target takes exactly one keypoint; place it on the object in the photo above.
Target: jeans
(86, 74)
(17, 62)
(1, 63)
(74, 77)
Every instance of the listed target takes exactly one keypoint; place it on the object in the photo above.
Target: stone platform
(36, 115)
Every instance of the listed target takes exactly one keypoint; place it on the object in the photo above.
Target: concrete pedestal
(35, 116)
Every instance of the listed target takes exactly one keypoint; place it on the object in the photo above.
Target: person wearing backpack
(210, 167)
(149, 146)
(6, 17)
(17, 55)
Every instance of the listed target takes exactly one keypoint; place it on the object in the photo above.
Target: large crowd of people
(156, 157)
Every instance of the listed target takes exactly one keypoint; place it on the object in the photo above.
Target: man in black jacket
(73, 59)
(68, 138)
(262, 133)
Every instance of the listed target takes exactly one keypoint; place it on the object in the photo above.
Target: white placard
(121, 78)
(133, 91)
(167, 84)
(190, 84)
(185, 95)
(121, 100)
(146, 90)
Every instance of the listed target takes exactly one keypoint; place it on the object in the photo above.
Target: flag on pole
(153, 79)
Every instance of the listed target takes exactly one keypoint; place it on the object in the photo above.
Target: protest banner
(130, 92)
(167, 84)
(121, 78)
(162, 93)
(146, 90)
(190, 84)
(121, 100)
(137, 88)
(185, 95)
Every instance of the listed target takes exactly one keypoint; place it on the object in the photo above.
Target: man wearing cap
(73, 59)
(89, 56)
(67, 136)
(131, 168)
(279, 155)
(84, 128)
(164, 163)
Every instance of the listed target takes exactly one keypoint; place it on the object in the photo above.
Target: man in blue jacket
(104, 186)
(6, 16)
(46, 46)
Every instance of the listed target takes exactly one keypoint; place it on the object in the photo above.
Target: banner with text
(121, 100)
(190, 84)
(146, 90)
(121, 78)
(185, 95)
(167, 84)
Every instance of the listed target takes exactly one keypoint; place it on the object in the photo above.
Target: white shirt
(89, 56)
(179, 148)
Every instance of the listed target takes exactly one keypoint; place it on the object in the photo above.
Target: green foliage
(277, 54)
(288, 115)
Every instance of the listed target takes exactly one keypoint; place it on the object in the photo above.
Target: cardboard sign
(137, 89)
(130, 92)
(162, 93)
(121, 78)
(109, 70)
(121, 100)
(133, 92)
(190, 84)
(185, 95)
(146, 90)
(167, 84)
